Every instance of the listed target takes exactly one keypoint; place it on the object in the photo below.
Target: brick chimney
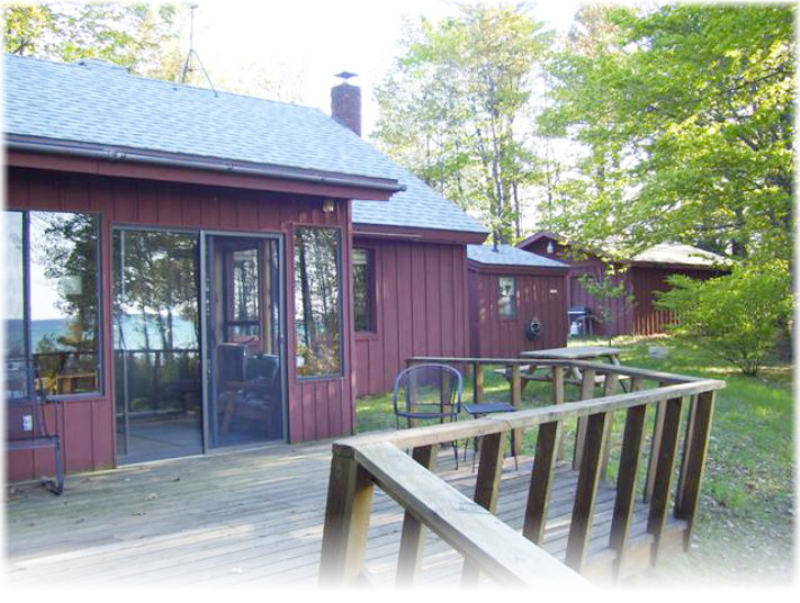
(346, 103)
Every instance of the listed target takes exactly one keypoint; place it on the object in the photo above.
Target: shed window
(363, 290)
(317, 301)
(51, 303)
(507, 296)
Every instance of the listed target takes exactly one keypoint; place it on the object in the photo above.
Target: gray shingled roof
(677, 253)
(508, 255)
(102, 104)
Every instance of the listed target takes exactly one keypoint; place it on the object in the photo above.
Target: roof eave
(379, 188)
(433, 235)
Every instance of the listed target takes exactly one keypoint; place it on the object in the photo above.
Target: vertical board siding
(647, 319)
(503, 337)
(316, 409)
(421, 309)
(621, 312)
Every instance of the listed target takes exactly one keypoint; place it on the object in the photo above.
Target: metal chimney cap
(346, 75)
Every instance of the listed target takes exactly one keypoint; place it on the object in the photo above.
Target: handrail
(599, 367)
(447, 432)
(499, 551)
(487, 544)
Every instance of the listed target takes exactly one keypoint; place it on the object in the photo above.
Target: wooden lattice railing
(489, 545)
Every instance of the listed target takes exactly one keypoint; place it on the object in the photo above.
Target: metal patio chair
(428, 392)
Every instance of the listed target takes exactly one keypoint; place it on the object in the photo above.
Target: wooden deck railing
(487, 544)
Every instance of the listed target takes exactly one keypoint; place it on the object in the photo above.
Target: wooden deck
(251, 518)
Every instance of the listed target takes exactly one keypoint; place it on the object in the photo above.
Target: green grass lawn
(745, 527)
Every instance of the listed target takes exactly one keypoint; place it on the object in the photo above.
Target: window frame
(372, 292)
(513, 298)
(26, 293)
(341, 310)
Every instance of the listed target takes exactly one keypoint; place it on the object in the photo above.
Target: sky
(316, 39)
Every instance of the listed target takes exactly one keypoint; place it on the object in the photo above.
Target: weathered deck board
(248, 518)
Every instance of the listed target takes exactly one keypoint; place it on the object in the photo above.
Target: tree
(145, 38)
(605, 289)
(686, 118)
(452, 108)
(685, 114)
(733, 316)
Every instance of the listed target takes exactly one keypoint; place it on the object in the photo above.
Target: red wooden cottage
(189, 270)
(517, 301)
(645, 274)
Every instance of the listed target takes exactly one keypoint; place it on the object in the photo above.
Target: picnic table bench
(576, 353)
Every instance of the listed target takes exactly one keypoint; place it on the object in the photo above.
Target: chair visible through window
(430, 393)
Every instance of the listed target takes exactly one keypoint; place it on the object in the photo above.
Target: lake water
(134, 328)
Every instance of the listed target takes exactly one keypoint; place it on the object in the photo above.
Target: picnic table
(586, 352)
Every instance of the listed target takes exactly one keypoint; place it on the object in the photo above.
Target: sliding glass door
(157, 344)
(198, 360)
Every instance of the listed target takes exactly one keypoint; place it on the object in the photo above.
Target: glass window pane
(156, 344)
(63, 272)
(14, 307)
(507, 298)
(245, 285)
(317, 301)
(362, 290)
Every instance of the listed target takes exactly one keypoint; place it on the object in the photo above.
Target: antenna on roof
(186, 64)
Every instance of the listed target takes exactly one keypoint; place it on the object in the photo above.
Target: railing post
(559, 398)
(487, 488)
(586, 492)
(516, 402)
(626, 482)
(610, 386)
(655, 444)
(587, 393)
(477, 391)
(344, 537)
(412, 538)
(697, 436)
(544, 463)
(664, 464)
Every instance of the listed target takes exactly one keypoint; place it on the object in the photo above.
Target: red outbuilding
(643, 275)
(517, 301)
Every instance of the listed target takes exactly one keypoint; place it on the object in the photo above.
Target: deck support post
(587, 393)
(626, 483)
(583, 509)
(544, 464)
(559, 398)
(610, 386)
(412, 538)
(344, 537)
(516, 402)
(697, 439)
(477, 390)
(487, 489)
(664, 464)
(655, 444)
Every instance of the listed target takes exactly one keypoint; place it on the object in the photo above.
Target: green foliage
(453, 106)
(739, 316)
(605, 289)
(140, 36)
(685, 115)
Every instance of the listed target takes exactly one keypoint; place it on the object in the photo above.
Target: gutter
(115, 153)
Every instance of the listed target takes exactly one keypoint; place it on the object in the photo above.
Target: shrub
(739, 316)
